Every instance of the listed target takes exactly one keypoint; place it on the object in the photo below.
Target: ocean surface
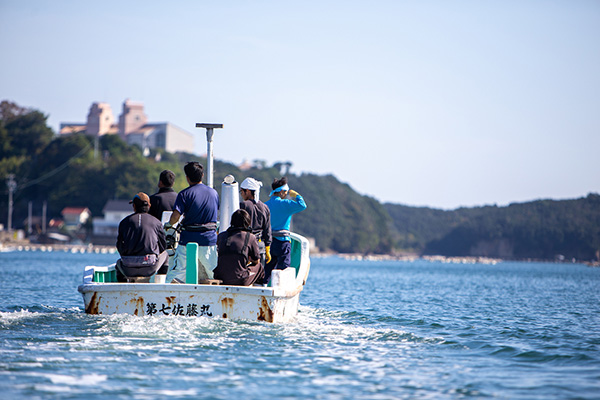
(365, 330)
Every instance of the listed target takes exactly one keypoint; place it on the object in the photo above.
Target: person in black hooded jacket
(141, 243)
(164, 199)
(238, 253)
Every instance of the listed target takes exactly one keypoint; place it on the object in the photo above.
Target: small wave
(347, 327)
(504, 351)
(305, 312)
(534, 356)
(44, 388)
(84, 380)
(168, 393)
(41, 309)
(15, 317)
(540, 357)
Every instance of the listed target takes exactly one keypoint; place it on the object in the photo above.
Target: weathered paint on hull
(276, 303)
(235, 302)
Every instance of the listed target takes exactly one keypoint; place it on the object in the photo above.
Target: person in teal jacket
(282, 209)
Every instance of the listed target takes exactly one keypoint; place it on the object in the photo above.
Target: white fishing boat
(277, 302)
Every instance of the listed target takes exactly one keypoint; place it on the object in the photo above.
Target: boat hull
(235, 302)
(278, 302)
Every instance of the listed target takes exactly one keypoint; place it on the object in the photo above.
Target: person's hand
(268, 254)
(293, 193)
(171, 241)
(168, 226)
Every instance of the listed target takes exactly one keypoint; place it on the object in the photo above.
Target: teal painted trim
(296, 255)
(191, 263)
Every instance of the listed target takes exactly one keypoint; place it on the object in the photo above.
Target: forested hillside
(543, 229)
(76, 171)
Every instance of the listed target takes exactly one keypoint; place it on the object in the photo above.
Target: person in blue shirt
(282, 208)
(199, 206)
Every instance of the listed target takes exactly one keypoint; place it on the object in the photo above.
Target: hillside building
(133, 127)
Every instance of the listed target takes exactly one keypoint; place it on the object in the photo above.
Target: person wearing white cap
(260, 217)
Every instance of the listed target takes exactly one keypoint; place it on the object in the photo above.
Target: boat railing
(299, 261)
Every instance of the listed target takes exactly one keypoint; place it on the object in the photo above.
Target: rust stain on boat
(92, 308)
(139, 306)
(227, 305)
(138, 303)
(170, 300)
(264, 311)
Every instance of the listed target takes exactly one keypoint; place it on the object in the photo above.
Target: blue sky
(428, 103)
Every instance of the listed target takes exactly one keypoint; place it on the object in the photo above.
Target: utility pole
(44, 207)
(96, 146)
(209, 150)
(29, 216)
(12, 186)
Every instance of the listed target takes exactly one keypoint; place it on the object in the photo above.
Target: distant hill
(542, 229)
(74, 171)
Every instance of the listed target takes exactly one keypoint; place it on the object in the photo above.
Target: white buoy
(230, 201)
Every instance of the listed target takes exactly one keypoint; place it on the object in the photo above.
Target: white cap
(251, 184)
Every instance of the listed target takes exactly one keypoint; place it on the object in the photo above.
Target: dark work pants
(262, 250)
(281, 257)
(257, 274)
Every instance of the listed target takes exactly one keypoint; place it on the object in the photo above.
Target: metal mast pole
(209, 149)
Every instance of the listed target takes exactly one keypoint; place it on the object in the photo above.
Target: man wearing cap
(141, 243)
(164, 199)
(282, 210)
(260, 217)
(199, 205)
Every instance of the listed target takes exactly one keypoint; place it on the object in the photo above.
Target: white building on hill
(133, 127)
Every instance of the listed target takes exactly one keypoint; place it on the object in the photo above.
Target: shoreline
(105, 249)
(445, 259)
(67, 248)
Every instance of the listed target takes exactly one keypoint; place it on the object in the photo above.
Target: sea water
(365, 330)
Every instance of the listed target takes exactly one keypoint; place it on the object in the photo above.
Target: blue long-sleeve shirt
(282, 211)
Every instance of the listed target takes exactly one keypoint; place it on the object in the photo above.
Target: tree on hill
(23, 132)
(23, 135)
